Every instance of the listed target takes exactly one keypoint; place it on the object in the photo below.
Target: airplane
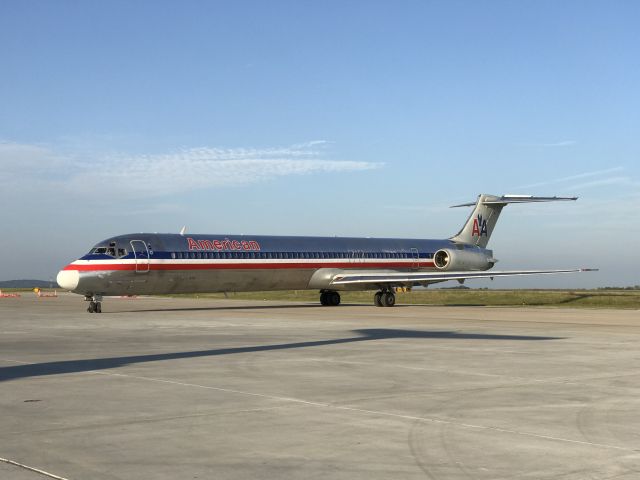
(160, 264)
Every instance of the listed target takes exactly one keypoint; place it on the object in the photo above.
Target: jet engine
(461, 260)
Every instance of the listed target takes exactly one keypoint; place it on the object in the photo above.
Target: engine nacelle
(461, 260)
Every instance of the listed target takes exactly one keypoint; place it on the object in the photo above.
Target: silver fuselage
(145, 264)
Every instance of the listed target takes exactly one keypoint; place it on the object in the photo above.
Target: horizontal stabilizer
(506, 199)
(410, 278)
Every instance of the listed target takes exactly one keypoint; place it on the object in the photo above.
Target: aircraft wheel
(377, 299)
(98, 308)
(334, 298)
(92, 307)
(388, 299)
(324, 299)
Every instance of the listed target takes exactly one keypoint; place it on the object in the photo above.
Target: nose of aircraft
(68, 279)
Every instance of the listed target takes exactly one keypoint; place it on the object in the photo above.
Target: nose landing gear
(384, 298)
(95, 303)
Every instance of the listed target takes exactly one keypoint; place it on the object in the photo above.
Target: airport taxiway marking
(32, 469)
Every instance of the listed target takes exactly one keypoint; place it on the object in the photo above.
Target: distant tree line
(635, 287)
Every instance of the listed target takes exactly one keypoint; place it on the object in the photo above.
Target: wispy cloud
(161, 174)
(563, 143)
(620, 181)
(571, 178)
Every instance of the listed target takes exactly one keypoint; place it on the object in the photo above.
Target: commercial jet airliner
(157, 264)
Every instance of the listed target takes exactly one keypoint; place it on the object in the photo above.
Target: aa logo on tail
(479, 227)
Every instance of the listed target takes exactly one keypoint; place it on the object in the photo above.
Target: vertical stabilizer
(480, 224)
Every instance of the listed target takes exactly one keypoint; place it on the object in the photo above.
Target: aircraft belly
(161, 282)
(238, 280)
(194, 281)
(117, 283)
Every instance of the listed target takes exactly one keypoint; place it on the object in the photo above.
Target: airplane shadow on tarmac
(364, 335)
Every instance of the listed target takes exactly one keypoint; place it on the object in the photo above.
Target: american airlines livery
(148, 264)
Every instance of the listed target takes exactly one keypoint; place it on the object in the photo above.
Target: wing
(412, 278)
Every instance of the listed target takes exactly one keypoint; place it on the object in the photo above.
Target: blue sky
(321, 118)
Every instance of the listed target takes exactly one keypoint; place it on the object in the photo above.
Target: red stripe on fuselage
(90, 267)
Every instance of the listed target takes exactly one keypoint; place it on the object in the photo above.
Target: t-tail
(479, 227)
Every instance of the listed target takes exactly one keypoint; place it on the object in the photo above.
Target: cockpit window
(110, 250)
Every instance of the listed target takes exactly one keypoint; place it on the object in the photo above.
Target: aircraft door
(416, 258)
(141, 254)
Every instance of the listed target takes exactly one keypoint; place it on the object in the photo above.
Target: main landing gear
(384, 298)
(329, 298)
(95, 303)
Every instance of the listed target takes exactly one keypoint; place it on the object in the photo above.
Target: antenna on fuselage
(183, 230)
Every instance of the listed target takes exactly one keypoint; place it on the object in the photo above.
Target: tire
(377, 299)
(324, 299)
(335, 298)
(98, 307)
(388, 299)
(92, 307)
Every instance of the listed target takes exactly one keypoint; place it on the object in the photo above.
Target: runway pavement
(201, 389)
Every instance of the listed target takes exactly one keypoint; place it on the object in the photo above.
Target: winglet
(183, 230)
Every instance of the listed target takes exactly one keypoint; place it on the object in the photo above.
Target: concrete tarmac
(209, 389)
